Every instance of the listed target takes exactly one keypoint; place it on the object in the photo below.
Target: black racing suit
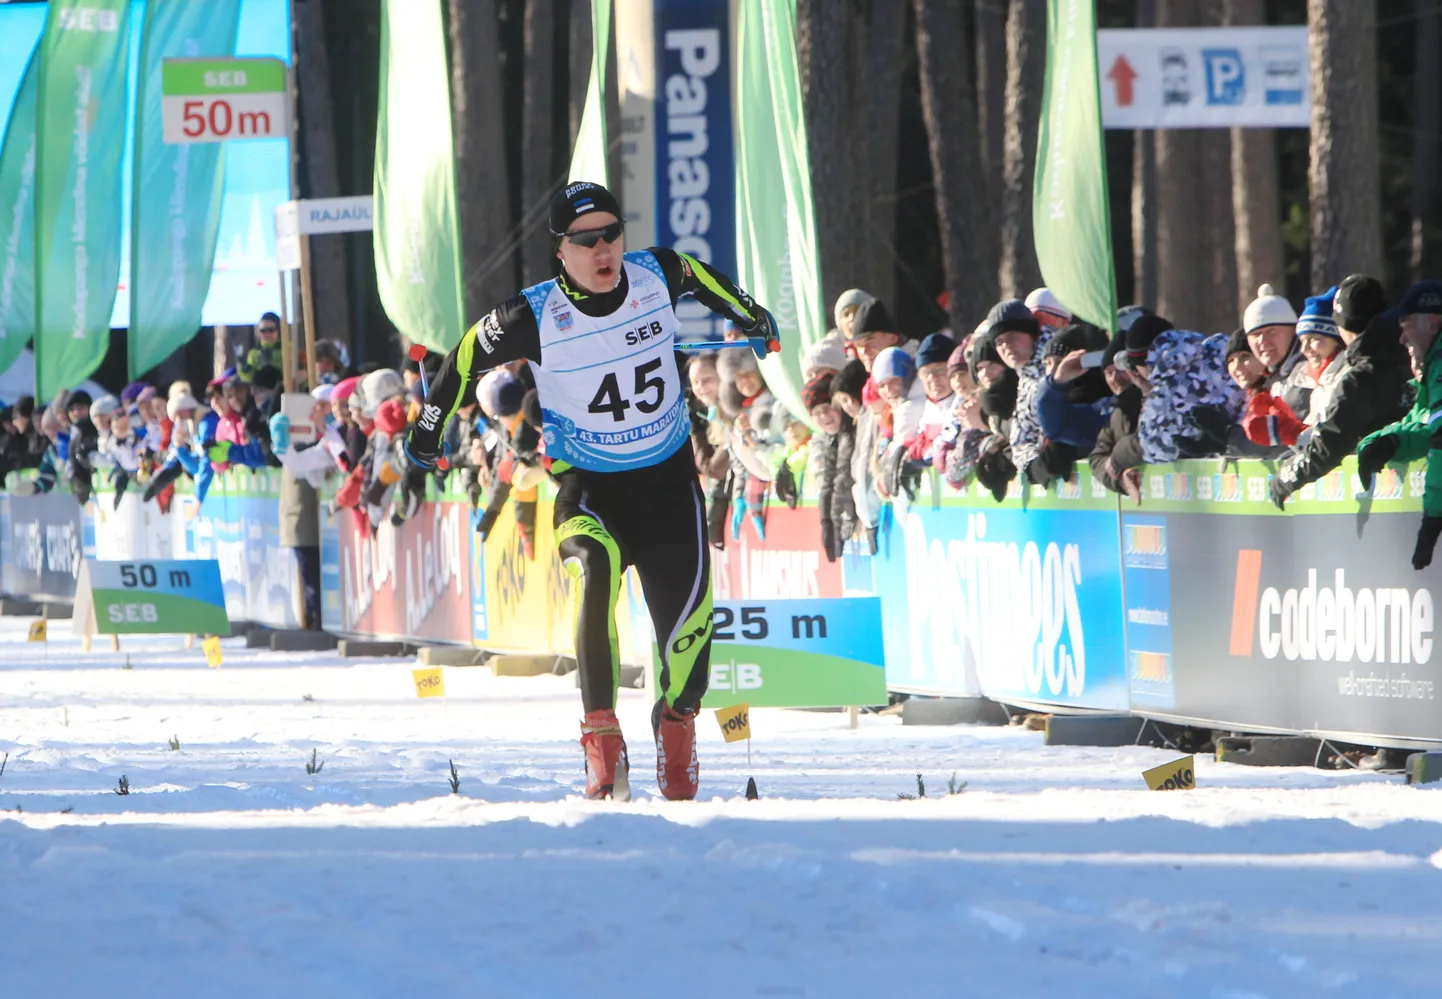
(651, 517)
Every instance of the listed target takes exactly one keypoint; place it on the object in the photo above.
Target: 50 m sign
(219, 100)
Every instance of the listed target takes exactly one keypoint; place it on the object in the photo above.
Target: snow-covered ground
(229, 871)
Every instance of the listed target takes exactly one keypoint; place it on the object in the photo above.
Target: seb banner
(796, 653)
(1205, 77)
(150, 598)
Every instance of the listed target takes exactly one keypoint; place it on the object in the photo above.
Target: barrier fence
(1205, 605)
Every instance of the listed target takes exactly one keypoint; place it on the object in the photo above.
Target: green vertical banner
(1070, 216)
(17, 220)
(776, 254)
(80, 143)
(417, 228)
(588, 159)
(175, 204)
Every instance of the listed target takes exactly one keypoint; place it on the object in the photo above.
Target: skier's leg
(593, 560)
(675, 569)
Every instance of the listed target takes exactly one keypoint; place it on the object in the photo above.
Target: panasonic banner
(673, 59)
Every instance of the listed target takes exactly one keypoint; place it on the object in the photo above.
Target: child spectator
(836, 444)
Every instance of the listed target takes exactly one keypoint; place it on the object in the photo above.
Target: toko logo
(1328, 623)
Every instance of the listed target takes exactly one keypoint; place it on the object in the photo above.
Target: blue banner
(695, 169)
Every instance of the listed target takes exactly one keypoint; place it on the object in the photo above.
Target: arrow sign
(1123, 76)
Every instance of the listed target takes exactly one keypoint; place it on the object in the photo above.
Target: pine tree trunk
(968, 239)
(1426, 121)
(321, 177)
(1182, 260)
(832, 88)
(1256, 201)
(482, 193)
(1218, 312)
(580, 62)
(537, 136)
(1025, 73)
(991, 79)
(1144, 195)
(1345, 171)
(886, 38)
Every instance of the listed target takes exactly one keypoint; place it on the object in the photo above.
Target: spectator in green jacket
(1419, 433)
(266, 352)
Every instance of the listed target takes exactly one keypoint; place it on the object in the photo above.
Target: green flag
(417, 229)
(588, 159)
(1070, 217)
(776, 255)
(17, 220)
(80, 143)
(175, 207)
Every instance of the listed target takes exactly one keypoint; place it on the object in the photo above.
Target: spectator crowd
(1022, 399)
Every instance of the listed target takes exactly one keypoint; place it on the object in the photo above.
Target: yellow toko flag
(37, 631)
(735, 722)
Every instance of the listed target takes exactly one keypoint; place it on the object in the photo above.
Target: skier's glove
(765, 336)
(1279, 491)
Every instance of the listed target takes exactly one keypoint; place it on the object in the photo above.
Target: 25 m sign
(220, 100)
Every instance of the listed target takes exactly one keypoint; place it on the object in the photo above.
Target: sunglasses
(267, 329)
(587, 238)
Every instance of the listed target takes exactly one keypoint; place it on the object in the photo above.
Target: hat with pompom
(1268, 309)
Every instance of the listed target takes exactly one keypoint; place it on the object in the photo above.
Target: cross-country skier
(599, 339)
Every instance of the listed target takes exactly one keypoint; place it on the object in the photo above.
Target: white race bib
(610, 393)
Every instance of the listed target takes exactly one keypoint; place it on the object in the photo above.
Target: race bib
(610, 393)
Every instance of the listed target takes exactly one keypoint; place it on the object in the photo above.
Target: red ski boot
(607, 768)
(677, 772)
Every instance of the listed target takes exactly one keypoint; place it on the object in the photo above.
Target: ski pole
(418, 353)
(758, 346)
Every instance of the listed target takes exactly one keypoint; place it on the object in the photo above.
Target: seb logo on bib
(644, 332)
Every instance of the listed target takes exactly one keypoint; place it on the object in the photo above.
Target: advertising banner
(17, 220)
(1311, 620)
(80, 140)
(1258, 77)
(175, 204)
(785, 565)
(1018, 601)
(239, 526)
(1071, 217)
(796, 653)
(776, 254)
(41, 546)
(150, 598)
(417, 229)
(406, 583)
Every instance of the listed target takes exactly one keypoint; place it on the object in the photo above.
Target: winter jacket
(1064, 418)
(1292, 381)
(1413, 431)
(1118, 441)
(1026, 432)
(1370, 390)
(1188, 372)
(835, 503)
(863, 470)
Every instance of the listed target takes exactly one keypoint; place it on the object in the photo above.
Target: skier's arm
(506, 333)
(685, 275)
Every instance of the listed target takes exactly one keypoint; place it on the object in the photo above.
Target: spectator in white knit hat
(1050, 313)
(824, 357)
(1270, 323)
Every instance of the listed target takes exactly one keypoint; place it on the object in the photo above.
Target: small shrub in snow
(2, 764)
(455, 778)
(954, 786)
(313, 767)
(175, 743)
(122, 786)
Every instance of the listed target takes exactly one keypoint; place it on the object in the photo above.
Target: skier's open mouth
(605, 271)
